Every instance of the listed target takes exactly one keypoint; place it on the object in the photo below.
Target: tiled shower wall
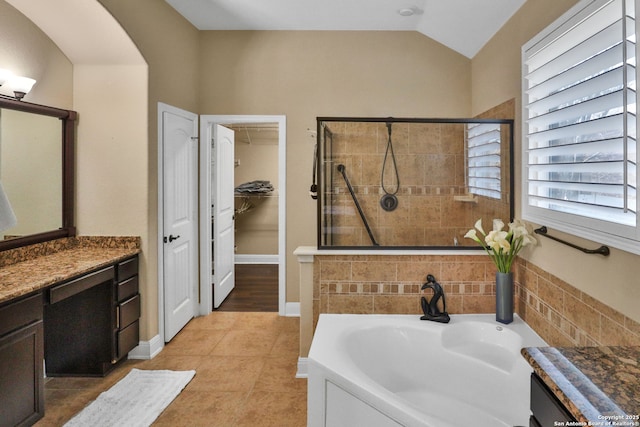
(430, 161)
(389, 284)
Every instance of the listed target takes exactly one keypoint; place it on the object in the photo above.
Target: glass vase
(504, 297)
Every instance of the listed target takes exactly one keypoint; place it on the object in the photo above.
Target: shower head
(341, 168)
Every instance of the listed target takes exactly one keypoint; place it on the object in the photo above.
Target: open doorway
(259, 180)
(257, 192)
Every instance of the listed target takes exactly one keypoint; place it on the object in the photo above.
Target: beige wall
(304, 75)
(169, 44)
(496, 76)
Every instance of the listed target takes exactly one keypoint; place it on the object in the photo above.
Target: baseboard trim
(256, 259)
(292, 309)
(303, 367)
(147, 349)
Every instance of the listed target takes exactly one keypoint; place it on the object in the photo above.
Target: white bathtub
(391, 370)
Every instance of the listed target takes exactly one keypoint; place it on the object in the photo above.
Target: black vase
(504, 297)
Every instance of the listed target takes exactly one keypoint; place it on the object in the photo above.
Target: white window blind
(483, 159)
(579, 113)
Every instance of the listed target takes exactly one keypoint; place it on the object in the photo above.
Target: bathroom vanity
(584, 385)
(77, 309)
(91, 322)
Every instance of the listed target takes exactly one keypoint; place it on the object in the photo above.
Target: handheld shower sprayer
(389, 201)
(313, 191)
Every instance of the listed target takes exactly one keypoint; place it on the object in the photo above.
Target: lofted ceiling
(462, 25)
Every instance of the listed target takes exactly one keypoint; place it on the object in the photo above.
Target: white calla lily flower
(503, 246)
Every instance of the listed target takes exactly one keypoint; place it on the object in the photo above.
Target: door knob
(172, 238)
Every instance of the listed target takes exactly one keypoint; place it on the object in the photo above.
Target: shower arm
(342, 170)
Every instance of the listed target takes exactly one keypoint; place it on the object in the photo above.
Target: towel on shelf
(253, 187)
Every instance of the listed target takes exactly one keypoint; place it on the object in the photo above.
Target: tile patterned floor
(245, 375)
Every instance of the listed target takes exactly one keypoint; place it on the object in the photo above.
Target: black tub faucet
(430, 308)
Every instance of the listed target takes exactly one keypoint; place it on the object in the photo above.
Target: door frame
(206, 122)
(162, 108)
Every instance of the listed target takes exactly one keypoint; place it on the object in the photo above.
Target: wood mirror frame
(68, 121)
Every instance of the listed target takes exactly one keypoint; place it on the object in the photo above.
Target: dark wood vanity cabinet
(91, 322)
(21, 354)
(79, 327)
(547, 410)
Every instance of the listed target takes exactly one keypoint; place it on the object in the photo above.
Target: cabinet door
(546, 408)
(21, 376)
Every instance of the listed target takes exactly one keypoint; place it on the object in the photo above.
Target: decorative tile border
(565, 316)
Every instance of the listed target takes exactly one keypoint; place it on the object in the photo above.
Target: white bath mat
(136, 400)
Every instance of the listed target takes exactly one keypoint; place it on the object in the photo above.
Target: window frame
(620, 236)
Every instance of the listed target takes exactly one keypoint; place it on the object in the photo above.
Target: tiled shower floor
(245, 375)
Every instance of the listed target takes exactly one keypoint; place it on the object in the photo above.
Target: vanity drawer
(128, 288)
(69, 289)
(127, 269)
(128, 339)
(20, 313)
(129, 312)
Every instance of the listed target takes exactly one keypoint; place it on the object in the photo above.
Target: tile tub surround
(591, 382)
(371, 284)
(388, 282)
(29, 269)
(565, 316)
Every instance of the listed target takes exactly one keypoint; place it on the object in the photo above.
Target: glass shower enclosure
(411, 183)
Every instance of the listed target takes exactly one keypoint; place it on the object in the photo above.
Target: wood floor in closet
(256, 289)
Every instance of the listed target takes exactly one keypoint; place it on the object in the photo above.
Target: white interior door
(223, 214)
(180, 219)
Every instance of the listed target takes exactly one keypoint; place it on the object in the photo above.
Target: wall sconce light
(20, 85)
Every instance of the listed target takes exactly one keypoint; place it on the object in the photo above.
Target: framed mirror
(37, 171)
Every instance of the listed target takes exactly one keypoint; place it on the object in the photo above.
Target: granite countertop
(39, 272)
(598, 385)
